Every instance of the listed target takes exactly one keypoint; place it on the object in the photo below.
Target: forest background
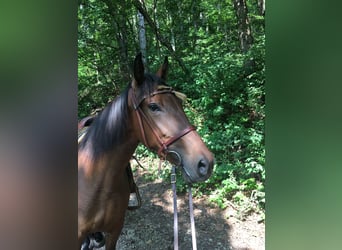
(216, 51)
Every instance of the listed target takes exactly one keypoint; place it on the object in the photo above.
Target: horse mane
(108, 129)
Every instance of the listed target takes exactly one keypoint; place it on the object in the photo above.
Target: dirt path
(151, 226)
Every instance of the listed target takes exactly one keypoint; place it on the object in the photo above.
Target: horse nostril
(202, 167)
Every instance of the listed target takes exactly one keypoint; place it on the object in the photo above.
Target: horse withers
(148, 111)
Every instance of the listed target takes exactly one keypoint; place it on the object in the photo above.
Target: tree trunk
(262, 7)
(244, 29)
(155, 20)
(142, 37)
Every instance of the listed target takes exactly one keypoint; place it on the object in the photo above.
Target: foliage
(225, 86)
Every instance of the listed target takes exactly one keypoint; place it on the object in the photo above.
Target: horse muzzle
(198, 171)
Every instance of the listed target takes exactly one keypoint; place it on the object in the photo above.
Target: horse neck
(111, 163)
(110, 142)
(123, 153)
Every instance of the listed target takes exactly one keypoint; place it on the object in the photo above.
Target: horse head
(163, 125)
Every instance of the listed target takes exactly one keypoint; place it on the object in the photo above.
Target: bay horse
(148, 111)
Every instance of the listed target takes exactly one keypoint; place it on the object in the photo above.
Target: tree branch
(160, 37)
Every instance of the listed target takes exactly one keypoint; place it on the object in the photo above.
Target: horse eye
(154, 107)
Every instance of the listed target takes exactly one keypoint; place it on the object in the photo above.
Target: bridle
(163, 151)
(163, 145)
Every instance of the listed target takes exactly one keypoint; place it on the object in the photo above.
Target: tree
(159, 36)
(262, 7)
(118, 21)
(142, 37)
(244, 30)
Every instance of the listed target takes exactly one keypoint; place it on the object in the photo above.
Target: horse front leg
(83, 241)
(110, 242)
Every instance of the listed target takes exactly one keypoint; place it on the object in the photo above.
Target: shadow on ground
(151, 226)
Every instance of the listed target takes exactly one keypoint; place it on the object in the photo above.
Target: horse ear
(162, 72)
(138, 69)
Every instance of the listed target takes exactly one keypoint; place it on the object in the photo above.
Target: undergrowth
(245, 196)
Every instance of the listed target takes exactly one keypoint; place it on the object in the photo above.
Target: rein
(175, 213)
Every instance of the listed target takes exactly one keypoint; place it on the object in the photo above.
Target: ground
(151, 226)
